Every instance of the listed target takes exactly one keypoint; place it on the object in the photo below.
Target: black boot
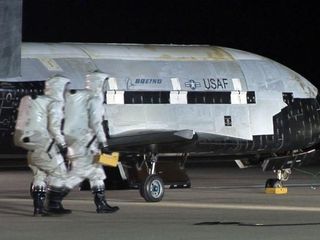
(101, 203)
(64, 193)
(38, 194)
(54, 197)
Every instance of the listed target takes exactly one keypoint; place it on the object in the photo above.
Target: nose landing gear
(152, 188)
(275, 185)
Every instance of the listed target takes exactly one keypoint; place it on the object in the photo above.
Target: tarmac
(223, 203)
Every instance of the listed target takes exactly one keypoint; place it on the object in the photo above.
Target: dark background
(284, 30)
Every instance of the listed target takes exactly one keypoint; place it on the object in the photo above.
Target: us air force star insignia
(192, 84)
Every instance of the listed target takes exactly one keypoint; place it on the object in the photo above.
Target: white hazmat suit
(85, 137)
(39, 130)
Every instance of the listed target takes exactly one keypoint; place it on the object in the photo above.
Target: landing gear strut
(282, 176)
(152, 188)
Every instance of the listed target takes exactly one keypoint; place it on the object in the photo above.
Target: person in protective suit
(85, 137)
(39, 130)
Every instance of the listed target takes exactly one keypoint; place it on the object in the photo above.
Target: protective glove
(63, 149)
(104, 148)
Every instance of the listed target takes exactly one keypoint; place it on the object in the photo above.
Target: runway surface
(223, 203)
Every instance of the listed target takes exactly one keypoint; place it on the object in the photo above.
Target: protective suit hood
(55, 87)
(97, 83)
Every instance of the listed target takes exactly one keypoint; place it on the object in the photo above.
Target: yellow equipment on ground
(276, 190)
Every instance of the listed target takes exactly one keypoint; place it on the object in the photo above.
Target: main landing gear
(277, 183)
(152, 188)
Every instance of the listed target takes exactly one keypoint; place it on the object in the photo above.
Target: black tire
(152, 189)
(273, 183)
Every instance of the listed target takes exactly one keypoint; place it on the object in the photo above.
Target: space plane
(175, 100)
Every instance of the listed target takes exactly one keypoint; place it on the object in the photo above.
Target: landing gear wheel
(152, 189)
(273, 183)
